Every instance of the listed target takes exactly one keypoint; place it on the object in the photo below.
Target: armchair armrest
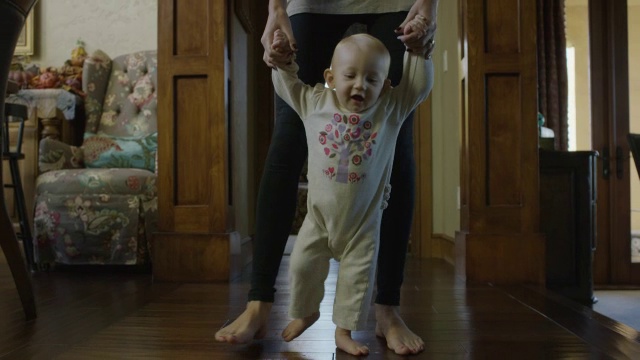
(56, 155)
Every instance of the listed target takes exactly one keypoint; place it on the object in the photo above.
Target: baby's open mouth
(357, 98)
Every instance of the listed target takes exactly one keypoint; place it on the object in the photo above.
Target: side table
(46, 103)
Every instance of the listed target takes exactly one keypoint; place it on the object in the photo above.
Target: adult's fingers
(266, 40)
(410, 16)
(277, 20)
(288, 32)
(267, 60)
(418, 35)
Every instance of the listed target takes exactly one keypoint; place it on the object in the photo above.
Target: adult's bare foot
(251, 324)
(390, 326)
(345, 343)
(297, 326)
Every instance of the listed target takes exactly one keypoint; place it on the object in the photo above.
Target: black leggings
(316, 36)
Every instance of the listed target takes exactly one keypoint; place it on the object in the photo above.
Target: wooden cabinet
(568, 219)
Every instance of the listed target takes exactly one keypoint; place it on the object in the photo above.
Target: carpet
(620, 305)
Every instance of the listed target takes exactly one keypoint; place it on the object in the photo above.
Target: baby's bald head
(365, 45)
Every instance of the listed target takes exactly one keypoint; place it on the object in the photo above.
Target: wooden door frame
(423, 244)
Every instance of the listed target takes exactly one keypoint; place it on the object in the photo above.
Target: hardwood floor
(85, 315)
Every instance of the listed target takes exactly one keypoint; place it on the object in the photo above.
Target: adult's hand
(418, 30)
(278, 20)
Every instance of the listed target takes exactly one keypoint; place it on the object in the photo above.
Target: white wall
(577, 33)
(244, 193)
(446, 122)
(114, 26)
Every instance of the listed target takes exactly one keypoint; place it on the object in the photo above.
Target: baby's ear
(328, 78)
(387, 85)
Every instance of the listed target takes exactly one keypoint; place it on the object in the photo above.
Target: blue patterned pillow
(102, 151)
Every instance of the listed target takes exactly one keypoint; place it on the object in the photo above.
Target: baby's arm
(417, 78)
(285, 78)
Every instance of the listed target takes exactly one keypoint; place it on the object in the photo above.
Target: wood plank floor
(84, 315)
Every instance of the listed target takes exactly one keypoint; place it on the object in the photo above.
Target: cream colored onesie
(349, 165)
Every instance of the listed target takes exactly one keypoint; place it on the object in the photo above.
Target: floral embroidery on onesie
(349, 141)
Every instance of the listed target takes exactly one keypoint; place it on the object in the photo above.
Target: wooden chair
(12, 17)
(13, 154)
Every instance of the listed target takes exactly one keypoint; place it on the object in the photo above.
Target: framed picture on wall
(25, 44)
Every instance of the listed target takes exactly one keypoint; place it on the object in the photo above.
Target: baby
(351, 125)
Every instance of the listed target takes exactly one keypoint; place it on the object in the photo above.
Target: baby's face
(358, 78)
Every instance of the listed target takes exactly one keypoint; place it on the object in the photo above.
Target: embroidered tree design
(348, 139)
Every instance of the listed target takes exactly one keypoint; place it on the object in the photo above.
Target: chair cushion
(130, 101)
(89, 229)
(114, 152)
(95, 216)
(98, 181)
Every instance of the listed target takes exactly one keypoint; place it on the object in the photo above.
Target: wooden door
(215, 119)
(609, 72)
(500, 239)
(193, 177)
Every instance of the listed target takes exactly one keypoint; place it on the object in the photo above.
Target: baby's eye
(372, 80)
(349, 76)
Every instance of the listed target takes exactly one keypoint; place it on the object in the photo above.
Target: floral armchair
(97, 203)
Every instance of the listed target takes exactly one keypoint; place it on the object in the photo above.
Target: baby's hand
(417, 35)
(281, 51)
(280, 42)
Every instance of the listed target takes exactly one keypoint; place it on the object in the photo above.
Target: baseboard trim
(444, 247)
(500, 258)
(191, 257)
(242, 259)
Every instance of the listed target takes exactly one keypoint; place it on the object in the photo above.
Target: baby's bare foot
(391, 327)
(298, 326)
(345, 343)
(251, 324)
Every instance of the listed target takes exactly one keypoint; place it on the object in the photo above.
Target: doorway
(603, 54)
